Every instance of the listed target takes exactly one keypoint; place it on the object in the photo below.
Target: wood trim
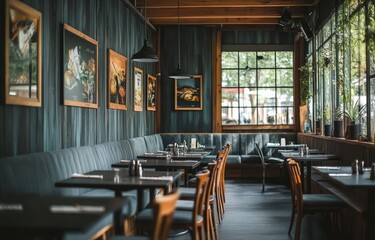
(257, 127)
(216, 81)
(159, 88)
(341, 140)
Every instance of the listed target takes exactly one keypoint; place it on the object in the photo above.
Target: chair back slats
(296, 183)
(163, 209)
(202, 185)
(260, 153)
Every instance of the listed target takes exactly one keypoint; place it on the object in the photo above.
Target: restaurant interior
(187, 119)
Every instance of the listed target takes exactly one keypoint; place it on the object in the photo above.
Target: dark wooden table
(120, 181)
(306, 160)
(358, 191)
(186, 156)
(287, 146)
(186, 165)
(31, 216)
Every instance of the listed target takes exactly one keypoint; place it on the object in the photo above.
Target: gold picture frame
(151, 92)
(138, 90)
(23, 55)
(117, 73)
(80, 53)
(188, 93)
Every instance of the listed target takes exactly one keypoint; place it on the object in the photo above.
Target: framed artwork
(80, 53)
(151, 93)
(188, 93)
(23, 55)
(138, 94)
(117, 69)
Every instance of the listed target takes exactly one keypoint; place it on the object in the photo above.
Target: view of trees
(257, 87)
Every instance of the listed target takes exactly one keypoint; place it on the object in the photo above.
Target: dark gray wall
(54, 126)
(196, 60)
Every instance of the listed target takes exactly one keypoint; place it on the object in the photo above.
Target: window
(257, 88)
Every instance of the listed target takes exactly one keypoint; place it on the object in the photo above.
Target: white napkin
(162, 178)
(14, 207)
(78, 175)
(182, 161)
(340, 174)
(125, 161)
(329, 168)
(76, 209)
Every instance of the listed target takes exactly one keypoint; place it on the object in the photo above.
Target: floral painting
(80, 69)
(23, 54)
(138, 94)
(151, 93)
(117, 69)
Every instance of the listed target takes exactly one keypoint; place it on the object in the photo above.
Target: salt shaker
(372, 173)
(140, 170)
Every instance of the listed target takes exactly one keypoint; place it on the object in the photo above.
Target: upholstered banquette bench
(36, 173)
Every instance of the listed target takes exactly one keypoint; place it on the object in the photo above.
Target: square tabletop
(184, 156)
(120, 181)
(32, 216)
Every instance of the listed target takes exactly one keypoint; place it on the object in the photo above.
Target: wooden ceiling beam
(217, 21)
(223, 3)
(186, 13)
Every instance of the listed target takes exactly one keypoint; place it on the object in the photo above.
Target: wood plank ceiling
(222, 12)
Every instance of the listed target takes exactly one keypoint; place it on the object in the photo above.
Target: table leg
(117, 217)
(308, 177)
(140, 197)
(186, 177)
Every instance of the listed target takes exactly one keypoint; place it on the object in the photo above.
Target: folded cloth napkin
(125, 161)
(15, 207)
(76, 209)
(78, 175)
(186, 161)
(327, 167)
(340, 174)
(162, 178)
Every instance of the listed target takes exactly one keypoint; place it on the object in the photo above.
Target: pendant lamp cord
(146, 20)
(178, 31)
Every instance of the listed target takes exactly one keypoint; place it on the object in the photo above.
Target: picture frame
(80, 58)
(23, 54)
(188, 93)
(117, 73)
(151, 92)
(138, 92)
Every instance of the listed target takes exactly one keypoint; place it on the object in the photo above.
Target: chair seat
(322, 201)
(273, 160)
(181, 217)
(185, 205)
(187, 193)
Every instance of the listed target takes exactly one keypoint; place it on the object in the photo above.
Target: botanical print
(117, 69)
(23, 64)
(138, 95)
(151, 93)
(80, 69)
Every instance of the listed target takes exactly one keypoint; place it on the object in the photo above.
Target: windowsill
(342, 140)
(257, 127)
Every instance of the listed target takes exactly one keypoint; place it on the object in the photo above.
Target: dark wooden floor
(251, 214)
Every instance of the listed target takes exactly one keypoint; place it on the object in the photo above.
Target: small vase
(338, 128)
(327, 130)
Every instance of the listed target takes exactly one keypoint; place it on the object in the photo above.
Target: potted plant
(353, 112)
(338, 123)
(306, 72)
(327, 120)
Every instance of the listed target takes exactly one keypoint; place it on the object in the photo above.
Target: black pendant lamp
(147, 53)
(178, 73)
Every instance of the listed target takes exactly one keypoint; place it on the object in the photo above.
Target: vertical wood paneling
(54, 126)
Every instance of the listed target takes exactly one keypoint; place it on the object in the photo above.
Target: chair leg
(213, 218)
(297, 235)
(264, 179)
(292, 219)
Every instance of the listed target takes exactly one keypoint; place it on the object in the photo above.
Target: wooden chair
(303, 203)
(220, 183)
(163, 208)
(182, 220)
(267, 162)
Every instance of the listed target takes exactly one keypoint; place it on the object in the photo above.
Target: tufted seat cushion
(138, 146)
(232, 159)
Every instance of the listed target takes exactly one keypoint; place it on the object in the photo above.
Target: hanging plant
(306, 72)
